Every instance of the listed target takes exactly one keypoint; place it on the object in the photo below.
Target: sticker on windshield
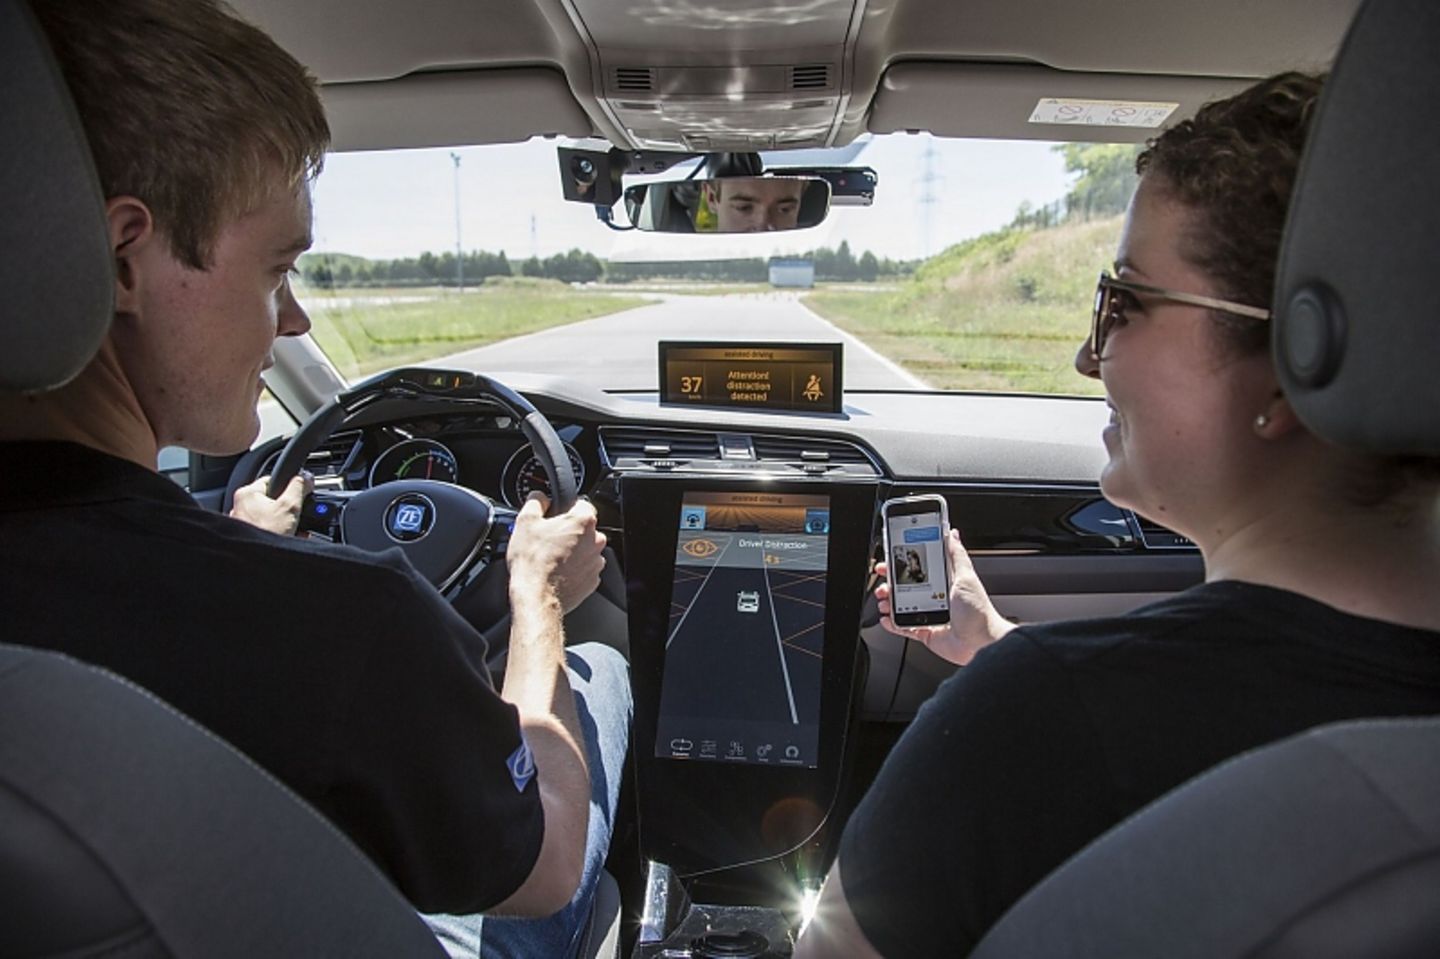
(1102, 113)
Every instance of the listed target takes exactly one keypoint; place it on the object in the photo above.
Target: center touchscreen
(743, 655)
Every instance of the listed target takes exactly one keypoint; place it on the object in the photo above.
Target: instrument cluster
(487, 454)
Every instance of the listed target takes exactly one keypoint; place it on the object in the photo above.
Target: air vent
(643, 444)
(694, 451)
(812, 451)
(634, 79)
(814, 76)
(797, 449)
(332, 456)
(1155, 536)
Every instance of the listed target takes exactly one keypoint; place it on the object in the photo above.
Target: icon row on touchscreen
(734, 750)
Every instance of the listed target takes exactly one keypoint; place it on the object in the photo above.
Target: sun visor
(1026, 102)
(1357, 331)
(453, 108)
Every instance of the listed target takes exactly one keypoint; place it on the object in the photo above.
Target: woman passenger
(1319, 602)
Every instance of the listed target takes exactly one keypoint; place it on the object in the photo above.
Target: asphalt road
(618, 351)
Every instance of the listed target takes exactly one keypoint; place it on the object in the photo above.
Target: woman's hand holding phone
(974, 621)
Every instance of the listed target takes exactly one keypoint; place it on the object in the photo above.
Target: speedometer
(415, 459)
(523, 474)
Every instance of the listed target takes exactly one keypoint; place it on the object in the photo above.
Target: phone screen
(917, 564)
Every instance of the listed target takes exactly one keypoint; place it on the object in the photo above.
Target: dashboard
(1018, 474)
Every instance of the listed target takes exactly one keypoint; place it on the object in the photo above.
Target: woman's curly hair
(1234, 164)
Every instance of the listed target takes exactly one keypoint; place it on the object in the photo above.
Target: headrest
(1357, 332)
(56, 271)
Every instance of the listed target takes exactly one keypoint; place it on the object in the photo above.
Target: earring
(1262, 421)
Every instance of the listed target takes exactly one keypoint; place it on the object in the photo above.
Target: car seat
(1325, 845)
(125, 828)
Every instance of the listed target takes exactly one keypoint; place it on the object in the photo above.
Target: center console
(744, 602)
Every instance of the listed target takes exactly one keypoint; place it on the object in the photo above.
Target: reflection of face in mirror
(754, 204)
(728, 205)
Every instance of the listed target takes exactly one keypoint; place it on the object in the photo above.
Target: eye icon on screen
(701, 548)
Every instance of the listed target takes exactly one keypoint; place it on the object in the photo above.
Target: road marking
(780, 648)
(910, 379)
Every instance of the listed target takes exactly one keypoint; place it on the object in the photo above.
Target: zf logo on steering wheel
(409, 518)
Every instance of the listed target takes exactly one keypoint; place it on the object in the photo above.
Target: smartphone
(915, 555)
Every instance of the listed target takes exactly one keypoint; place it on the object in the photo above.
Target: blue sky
(391, 204)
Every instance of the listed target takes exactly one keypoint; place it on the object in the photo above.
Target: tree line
(1106, 179)
(331, 270)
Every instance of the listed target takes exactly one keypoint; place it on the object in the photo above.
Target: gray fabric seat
(56, 272)
(1327, 844)
(126, 829)
(1324, 845)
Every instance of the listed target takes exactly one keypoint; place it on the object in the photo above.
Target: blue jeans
(600, 678)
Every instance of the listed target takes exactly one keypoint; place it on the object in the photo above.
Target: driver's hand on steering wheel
(560, 553)
(254, 506)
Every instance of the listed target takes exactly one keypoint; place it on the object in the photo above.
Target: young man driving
(342, 672)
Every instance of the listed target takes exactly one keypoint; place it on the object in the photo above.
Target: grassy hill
(1003, 311)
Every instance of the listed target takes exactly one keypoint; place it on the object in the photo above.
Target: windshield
(974, 268)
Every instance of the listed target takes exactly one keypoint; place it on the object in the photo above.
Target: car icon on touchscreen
(747, 601)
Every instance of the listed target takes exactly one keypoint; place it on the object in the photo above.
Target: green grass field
(1005, 311)
(365, 330)
(1002, 312)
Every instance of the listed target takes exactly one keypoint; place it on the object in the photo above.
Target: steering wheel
(444, 529)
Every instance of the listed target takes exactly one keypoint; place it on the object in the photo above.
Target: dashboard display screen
(753, 376)
(745, 647)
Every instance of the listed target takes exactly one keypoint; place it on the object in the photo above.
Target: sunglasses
(1112, 296)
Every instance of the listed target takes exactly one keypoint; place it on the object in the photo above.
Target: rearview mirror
(750, 204)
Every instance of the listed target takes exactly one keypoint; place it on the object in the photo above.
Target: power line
(459, 255)
(927, 195)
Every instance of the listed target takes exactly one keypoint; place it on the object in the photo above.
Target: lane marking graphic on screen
(700, 549)
(745, 647)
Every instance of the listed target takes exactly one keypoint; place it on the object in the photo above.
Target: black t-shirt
(341, 672)
(1057, 732)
